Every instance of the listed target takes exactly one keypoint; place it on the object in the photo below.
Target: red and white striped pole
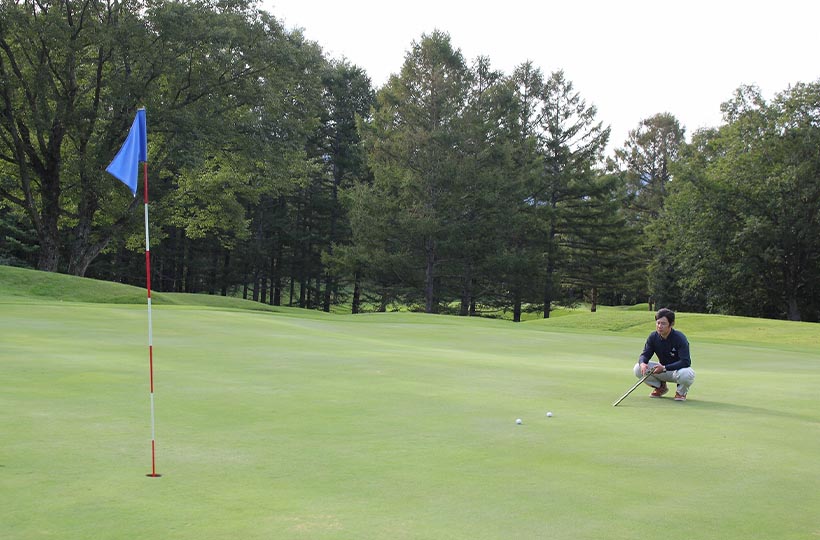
(150, 327)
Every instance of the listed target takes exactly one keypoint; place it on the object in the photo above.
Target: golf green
(294, 424)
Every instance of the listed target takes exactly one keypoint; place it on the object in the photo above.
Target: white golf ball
(517, 420)
(549, 414)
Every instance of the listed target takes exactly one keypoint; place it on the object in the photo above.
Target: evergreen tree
(647, 159)
(517, 260)
(646, 164)
(602, 248)
(348, 97)
(572, 142)
(478, 223)
(412, 143)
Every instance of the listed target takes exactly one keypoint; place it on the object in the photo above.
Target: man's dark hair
(668, 313)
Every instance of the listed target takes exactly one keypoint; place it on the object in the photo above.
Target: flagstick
(125, 168)
(150, 326)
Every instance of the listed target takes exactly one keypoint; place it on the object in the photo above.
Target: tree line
(285, 177)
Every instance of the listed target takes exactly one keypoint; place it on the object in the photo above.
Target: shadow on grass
(705, 406)
(734, 408)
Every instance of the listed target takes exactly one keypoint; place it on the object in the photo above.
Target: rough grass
(294, 424)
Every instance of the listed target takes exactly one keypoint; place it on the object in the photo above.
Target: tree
(646, 160)
(348, 97)
(71, 76)
(517, 260)
(572, 144)
(646, 163)
(53, 60)
(742, 229)
(478, 223)
(601, 247)
(411, 142)
(287, 227)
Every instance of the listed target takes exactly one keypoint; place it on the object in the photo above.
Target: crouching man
(674, 364)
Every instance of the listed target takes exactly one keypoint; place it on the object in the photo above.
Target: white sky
(629, 58)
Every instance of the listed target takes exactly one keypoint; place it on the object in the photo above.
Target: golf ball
(517, 420)
(549, 414)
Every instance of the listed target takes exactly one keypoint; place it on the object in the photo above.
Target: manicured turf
(294, 424)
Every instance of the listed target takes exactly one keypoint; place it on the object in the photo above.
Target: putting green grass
(292, 424)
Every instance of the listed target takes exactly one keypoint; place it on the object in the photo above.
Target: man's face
(663, 327)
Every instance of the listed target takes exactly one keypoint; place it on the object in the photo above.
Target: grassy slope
(27, 285)
(23, 285)
(303, 425)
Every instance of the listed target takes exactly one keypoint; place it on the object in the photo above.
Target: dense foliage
(281, 175)
(741, 230)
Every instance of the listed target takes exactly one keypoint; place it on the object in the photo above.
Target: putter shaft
(637, 384)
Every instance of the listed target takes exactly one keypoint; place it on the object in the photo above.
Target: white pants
(682, 377)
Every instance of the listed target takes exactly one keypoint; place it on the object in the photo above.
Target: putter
(637, 384)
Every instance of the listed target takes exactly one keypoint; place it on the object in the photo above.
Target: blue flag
(125, 166)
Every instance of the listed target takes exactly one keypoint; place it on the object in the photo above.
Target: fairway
(292, 424)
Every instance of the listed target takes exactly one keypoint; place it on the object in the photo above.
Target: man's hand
(659, 369)
(643, 369)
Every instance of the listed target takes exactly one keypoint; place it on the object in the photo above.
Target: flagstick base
(153, 475)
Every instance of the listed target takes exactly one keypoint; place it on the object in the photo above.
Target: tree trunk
(793, 313)
(48, 232)
(79, 262)
(226, 265)
(212, 278)
(328, 290)
(334, 217)
(84, 248)
(80, 258)
(276, 272)
(263, 288)
(190, 282)
(548, 297)
(594, 307)
(549, 285)
(430, 250)
(49, 257)
(276, 299)
(41, 203)
(275, 282)
(466, 293)
(179, 261)
(517, 308)
(357, 292)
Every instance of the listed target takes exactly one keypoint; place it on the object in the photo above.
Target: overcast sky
(629, 58)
